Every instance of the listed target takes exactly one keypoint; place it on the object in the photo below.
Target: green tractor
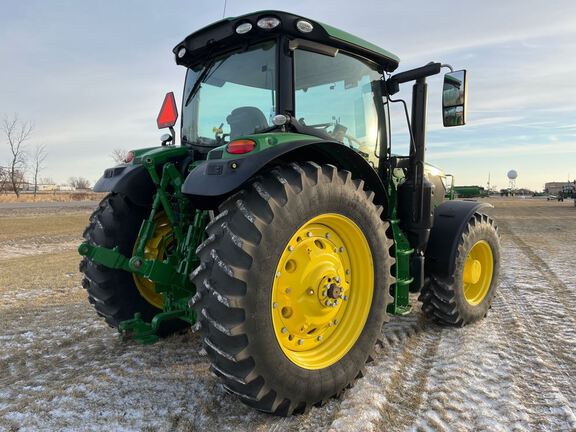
(282, 227)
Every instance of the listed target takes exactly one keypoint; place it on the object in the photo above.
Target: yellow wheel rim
(322, 291)
(478, 271)
(155, 249)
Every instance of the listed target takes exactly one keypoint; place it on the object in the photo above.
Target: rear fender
(132, 181)
(213, 180)
(450, 220)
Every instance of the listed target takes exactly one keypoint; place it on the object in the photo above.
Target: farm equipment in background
(469, 192)
(282, 227)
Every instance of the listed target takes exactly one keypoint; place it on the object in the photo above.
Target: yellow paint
(322, 291)
(478, 271)
(155, 249)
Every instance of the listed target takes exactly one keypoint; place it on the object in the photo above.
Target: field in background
(51, 197)
(62, 368)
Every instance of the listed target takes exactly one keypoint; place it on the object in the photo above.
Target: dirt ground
(62, 368)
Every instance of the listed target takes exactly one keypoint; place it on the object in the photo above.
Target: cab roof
(221, 35)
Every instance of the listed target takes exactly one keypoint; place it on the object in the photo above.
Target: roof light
(244, 28)
(129, 157)
(181, 52)
(241, 146)
(168, 113)
(268, 23)
(304, 26)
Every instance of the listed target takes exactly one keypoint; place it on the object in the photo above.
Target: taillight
(241, 146)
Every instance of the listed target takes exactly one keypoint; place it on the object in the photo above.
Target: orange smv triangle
(168, 113)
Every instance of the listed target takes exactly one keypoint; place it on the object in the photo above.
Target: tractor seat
(245, 121)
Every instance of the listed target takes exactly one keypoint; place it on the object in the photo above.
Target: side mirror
(454, 99)
(168, 113)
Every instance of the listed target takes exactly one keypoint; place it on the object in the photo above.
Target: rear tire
(236, 285)
(463, 298)
(113, 293)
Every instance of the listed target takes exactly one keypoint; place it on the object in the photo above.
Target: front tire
(466, 295)
(248, 315)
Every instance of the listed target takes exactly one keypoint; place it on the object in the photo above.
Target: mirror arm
(392, 85)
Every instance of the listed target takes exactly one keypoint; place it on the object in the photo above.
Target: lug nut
(327, 302)
(319, 338)
(310, 291)
(300, 341)
(335, 322)
(290, 248)
(337, 279)
(335, 303)
(277, 274)
(274, 305)
(324, 293)
(308, 234)
(341, 249)
(347, 271)
(284, 330)
(287, 290)
(344, 297)
(327, 235)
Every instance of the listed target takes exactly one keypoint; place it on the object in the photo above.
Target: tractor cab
(259, 66)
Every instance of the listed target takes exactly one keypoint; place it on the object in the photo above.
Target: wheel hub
(477, 272)
(313, 284)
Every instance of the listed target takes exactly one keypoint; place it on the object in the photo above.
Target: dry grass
(42, 228)
(40, 280)
(53, 197)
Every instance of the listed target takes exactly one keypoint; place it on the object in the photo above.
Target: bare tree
(16, 132)
(38, 158)
(119, 155)
(79, 182)
(4, 179)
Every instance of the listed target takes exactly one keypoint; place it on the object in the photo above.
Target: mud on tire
(235, 278)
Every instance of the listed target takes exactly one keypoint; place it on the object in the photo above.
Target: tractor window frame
(380, 149)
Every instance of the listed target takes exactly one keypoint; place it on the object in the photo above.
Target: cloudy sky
(92, 76)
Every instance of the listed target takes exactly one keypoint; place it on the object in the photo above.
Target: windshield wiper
(198, 83)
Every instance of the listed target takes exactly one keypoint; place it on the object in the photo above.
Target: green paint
(263, 141)
(402, 252)
(171, 275)
(354, 40)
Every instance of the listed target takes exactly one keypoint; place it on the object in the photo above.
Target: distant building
(554, 188)
(46, 187)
